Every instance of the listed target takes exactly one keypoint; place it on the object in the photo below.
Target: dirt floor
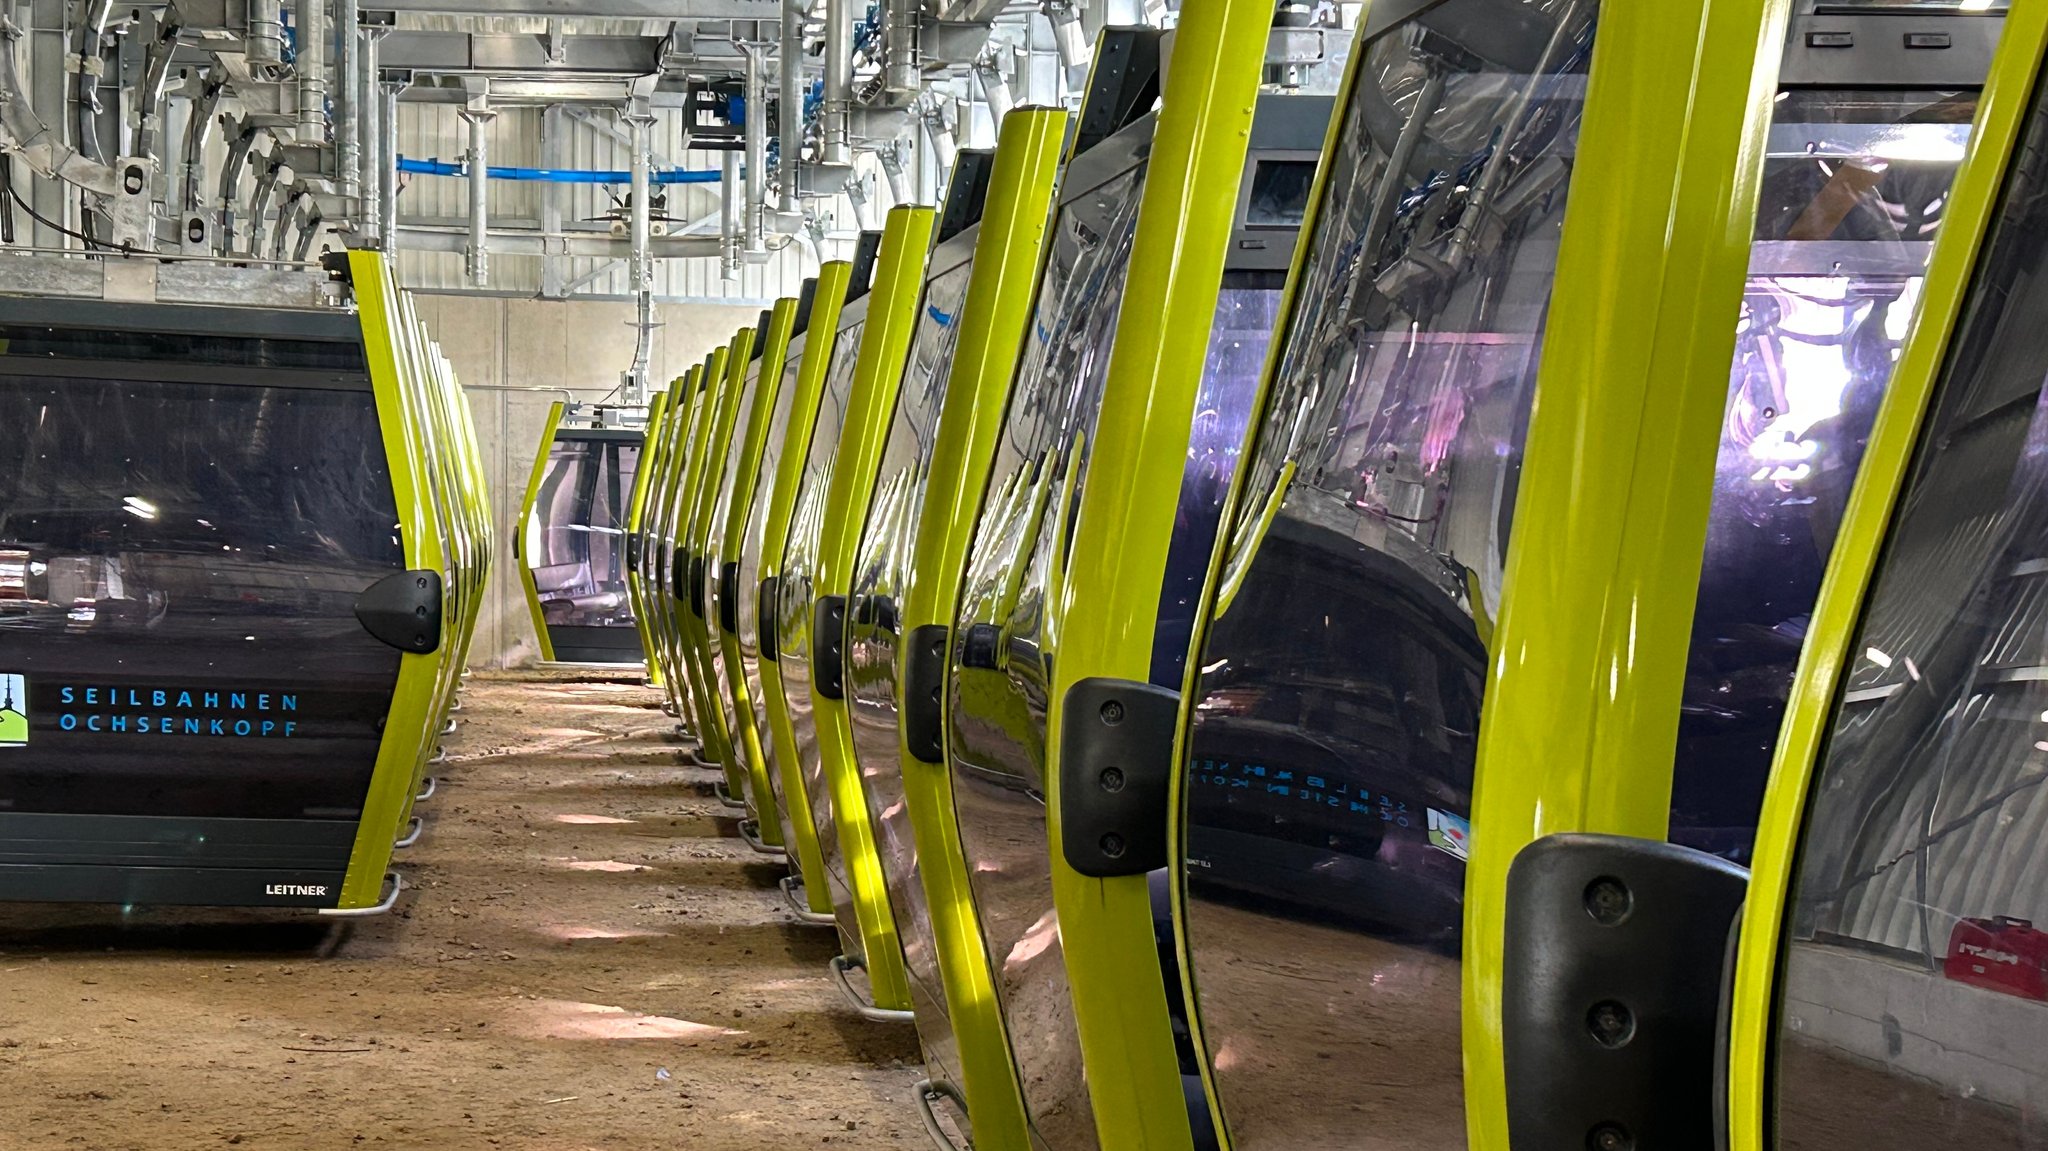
(589, 960)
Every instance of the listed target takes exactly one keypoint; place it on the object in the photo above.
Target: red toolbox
(2001, 953)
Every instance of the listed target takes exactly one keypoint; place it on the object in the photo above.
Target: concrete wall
(1968, 1041)
(496, 342)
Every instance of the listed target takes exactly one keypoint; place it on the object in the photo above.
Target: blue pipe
(555, 175)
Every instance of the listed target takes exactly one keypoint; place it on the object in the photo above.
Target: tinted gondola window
(1914, 987)
(576, 537)
(1328, 794)
(179, 566)
(1001, 659)
(1854, 187)
(881, 578)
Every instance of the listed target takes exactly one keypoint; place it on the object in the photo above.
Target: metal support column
(348, 119)
(728, 218)
(311, 64)
(387, 160)
(837, 111)
(553, 154)
(790, 63)
(479, 252)
(641, 123)
(757, 150)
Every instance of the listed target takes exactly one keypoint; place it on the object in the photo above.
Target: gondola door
(1890, 990)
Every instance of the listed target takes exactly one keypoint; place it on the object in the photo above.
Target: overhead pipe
(642, 124)
(835, 121)
(902, 52)
(479, 254)
(728, 219)
(370, 175)
(757, 151)
(387, 169)
(790, 76)
(557, 175)
(348, 121)
(311, 63)
(263, 37)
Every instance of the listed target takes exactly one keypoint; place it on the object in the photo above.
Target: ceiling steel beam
(414, 238)
(589, 9)
(500, 52)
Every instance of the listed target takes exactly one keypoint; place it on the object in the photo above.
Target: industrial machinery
(571, 540)
(229, 670)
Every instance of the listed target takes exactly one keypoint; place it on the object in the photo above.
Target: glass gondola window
(881, 579)
(1339, 686)
(1913, 1008)
(576, 538)
(179, 566)
(1003, 644)
(1854, 186)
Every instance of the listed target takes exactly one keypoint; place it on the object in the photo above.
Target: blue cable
(556, 175)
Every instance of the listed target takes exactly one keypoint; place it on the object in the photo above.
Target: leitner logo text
(292, 889)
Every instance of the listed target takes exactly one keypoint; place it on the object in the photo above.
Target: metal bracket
(414, 830)
(696, 590)
(1116, 768)
(841, 966)
(750, 830)
(383, 906)
(431, 784)
(924, 693)
(404, 610)
(632, 551)
(929, 1092)
(766, 621)
(792, 886)
(828, 647)
(1611, 979)
(725, 797)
